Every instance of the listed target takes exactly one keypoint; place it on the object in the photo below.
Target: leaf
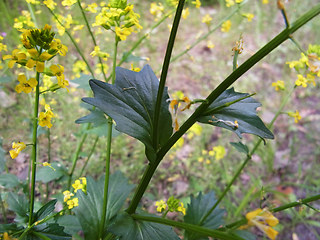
(240, 147)
(2, 158)
(244, 234)
(19, 205)
(45, 210)
(132, 58)
(243, 111)
(199, 206)
(5, 79)
(89, 210)
(70, 223)
(9, 180)
(52, 230)
(128, 228)
(131, 103)
(47, 174)
(83, 81)
(9, 227)
(96, 117)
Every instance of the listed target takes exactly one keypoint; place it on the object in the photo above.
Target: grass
(287, 162)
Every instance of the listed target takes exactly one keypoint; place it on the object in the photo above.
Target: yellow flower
(50, 4)
(161, 205)
(265, 1)
(219, 151)
(226, 26)
(33, 1)
(197, 3)
(200, 159)
(37, 59)
(295, 115)
(46, 164)
(249, 16)
(156, 9)
(45, 119)
(278, 85)
(7, 237)
(77, 185)
(58, 47)
(239, 1)
(73, 203)
(210, 44)
(185, 13)
(196, 129)
(311, 79)
(229, 3)
(25, 85)
(301, 81)
(58, 70)
(135, 69)
(92, 8)
(68, 2)
(181, 209)
(207, 19)
(80, 184)
(264, 220)
(122, 33)
(99, 53)
(16, 57)
(16, 149)
(67, 195)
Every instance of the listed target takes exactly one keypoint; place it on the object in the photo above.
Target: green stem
(73, 41)
(3, 210)
(235, 177)
(235, 75)
(189, 227)
(164, 72)
(206, 35)
(106, 180)
(93, 38)
(32, 15)
(89, 156)
(49, 160)
(109, 138)
(34, 150)
(235, 60)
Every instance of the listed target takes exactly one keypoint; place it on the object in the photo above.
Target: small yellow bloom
(68, 2)
(161, 205)
(123, 33)
(46, 164)
(73, 203)
(249, 16)
(25, 85)
(185, 13)
(16, 57)
(80, 184)
(278, 85)
(135, 69)
(197, 3)
(265, 1)
(301, 81)
(67, 195)
(45, 119)
(156, 9)
(58, 70)
(295, 115)
(50, 4)
(181, 208)
(57, 46)
(16, 149)
(207, 19)
(37, 59)
(219, 151)
(311, 79)
(200, 159)
(208, 161)
(210, 44)
(92, 8)
(226, 26)
(264, 220)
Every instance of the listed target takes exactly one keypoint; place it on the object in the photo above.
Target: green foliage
(83, 81)
(233, 106)
(242, 148)
(47, 174)
(70, 223)
(128, 228)
(131, 103)
(197, 210)
(45, 210)
(89, 210)
(9, 180)
(52, 231)
(18, 203)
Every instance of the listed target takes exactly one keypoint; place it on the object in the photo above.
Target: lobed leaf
(242, 111)
(131, 102)
(45, 210)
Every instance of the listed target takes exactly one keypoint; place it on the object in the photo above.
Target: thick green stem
(34, 150)
(235, 75)
(189, 227)
(49, 160)
(73, 41)
(93, 38)
(164, 72)
(89, 156)
(109, 138)
(237, 174)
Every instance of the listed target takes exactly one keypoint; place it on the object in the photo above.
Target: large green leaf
(243, 111)
(9, 180)
(199, 206)
(89, 210)
(131, 103)
(52, 230)
(128, 228)
(19, 205)
(47, 174)
(82, 81)
(45, 210)
(70, 223)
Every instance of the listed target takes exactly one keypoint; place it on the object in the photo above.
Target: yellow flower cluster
(207, 19)
(278, 85)
(45, 117)
(264, 220)
(249, 16)
(79, 184)
(173, 205)
(197, 3)
(226, 26)
(16, 149)
(118, 17)
(24, 20)
(156, 9)
(230, 3)
(218, 152)
(295, 115)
